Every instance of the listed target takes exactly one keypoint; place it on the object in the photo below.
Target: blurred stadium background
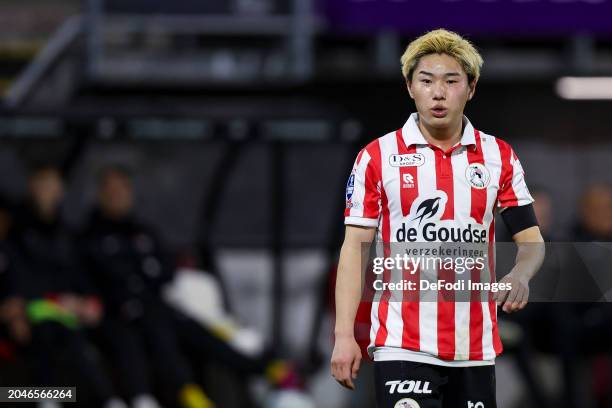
(239, 121)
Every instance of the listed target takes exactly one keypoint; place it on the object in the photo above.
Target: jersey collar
(412, 134)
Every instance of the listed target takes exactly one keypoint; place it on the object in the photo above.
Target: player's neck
(444, 138)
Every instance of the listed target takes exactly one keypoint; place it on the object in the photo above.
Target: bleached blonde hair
(442, 41)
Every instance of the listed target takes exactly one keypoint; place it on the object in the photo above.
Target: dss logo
(406, 160)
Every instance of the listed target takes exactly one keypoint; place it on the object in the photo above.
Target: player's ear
(408, 84)
(472, 91)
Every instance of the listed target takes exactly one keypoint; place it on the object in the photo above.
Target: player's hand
(515, 298)
(345, 361)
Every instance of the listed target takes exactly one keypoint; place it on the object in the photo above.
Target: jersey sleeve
(513, 191)
(363, 192)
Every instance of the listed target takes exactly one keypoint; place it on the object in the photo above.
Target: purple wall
(500, 17)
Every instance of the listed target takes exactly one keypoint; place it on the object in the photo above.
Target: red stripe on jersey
(383, 313)
(444, 180)
(446, 316)
(446, 298)
(477, 210)
(360, 155)
(409, 187)
(410, 311)
(491, 253)
(479, 195)
(383, 306)
(506, 195)
(409, 191)
(476, 318)
(497, 344)
(372, 176)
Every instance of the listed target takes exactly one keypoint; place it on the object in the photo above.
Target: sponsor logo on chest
(406, 160)
(424, 223)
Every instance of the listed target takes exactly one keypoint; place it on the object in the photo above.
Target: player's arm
(526, 234)
(346, 356)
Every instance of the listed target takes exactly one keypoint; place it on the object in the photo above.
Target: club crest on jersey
(406, 403)
(477, 175)
(406, 160)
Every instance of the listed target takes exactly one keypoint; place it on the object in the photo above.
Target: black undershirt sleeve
(519, 218)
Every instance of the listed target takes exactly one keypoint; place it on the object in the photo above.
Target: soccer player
(436, 179)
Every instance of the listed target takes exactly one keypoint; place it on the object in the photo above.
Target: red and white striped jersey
(393, 179)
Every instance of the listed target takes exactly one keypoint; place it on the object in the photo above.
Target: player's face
(440, 90)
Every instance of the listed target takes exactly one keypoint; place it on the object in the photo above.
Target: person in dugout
(130, 267)
(59, 301)
(14, 325)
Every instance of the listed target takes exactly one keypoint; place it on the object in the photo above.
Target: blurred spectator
(595, 224)
(551, 323)
(59, 299)
(130, 268)
(574, 272)
(14, 326)
(591, 262)
(126, 263)
(12, 306)
(543, 209)
(595, 214)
